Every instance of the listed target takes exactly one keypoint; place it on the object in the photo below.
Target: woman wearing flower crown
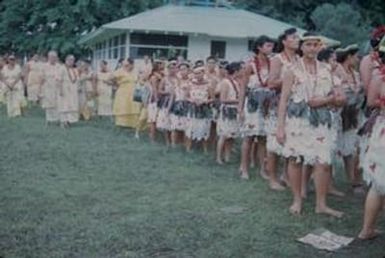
(200, 112)
(305, 124)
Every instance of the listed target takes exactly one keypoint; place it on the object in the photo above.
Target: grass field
(94, 191)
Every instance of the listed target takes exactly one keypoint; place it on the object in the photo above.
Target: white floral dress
(198, 122)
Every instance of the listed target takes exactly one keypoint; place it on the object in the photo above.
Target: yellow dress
(86, 96)
(104, 98)
(15, 96)
(34, 80)
(125, 110)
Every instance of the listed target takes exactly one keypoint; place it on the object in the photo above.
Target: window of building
(114, 48)
(157, 45)
(218, 49)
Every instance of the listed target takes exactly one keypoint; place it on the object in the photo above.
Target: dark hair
(183, 64)
(260, 41)
(155, 68)
(382, 56)
(104, 62)
(223, 64)
(171, 59)
(374, 42)
(130, 60)
(280, 47)
(199, 63)
(233, 67)
(211, 58)
(325, 54)
(342, 56)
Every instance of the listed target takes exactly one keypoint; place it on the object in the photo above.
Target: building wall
(199, 47)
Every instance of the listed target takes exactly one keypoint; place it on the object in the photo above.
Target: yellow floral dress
(34, 80)
(104, 98)
(125, 110)
(14, 96)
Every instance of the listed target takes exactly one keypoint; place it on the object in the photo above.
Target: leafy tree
(340, 22)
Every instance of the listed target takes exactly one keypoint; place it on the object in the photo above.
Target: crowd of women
(297, 102)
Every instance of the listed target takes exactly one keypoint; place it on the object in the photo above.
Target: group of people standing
(297, 102)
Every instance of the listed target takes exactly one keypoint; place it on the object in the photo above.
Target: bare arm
(275, 80)
(366, 72)
(374, 92)
(288, 81)
(242, 96)
(316, 102)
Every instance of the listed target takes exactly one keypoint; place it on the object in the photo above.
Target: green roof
(195, 20)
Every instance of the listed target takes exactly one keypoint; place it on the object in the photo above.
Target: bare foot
(219, 161)
(329, 211)
(295, 209)
(335, 192)
(275, 186)
(369, 235)
(263, 174)
(244, 176)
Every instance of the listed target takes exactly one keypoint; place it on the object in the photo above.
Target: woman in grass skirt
(374, 163)
(287, 47)
(166, 88)
(179, 108)
(254, 105)
(199, 115)
(348, 139)
(228, 122)
(305, 124)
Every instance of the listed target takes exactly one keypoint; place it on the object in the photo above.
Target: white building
(195, 30)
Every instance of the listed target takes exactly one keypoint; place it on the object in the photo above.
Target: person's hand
(281, 135)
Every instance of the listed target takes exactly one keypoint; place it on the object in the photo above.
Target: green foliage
(340, 22)
(39, 25)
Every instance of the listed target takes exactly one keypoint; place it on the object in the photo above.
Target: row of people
(303, 105)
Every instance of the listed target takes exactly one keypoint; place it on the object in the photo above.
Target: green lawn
(94, 191)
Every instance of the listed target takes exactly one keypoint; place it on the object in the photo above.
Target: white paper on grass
(325, 240)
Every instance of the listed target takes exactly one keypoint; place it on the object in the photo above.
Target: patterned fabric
(14, 97)
(228, 125)
(374, 164)
(199, 116)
